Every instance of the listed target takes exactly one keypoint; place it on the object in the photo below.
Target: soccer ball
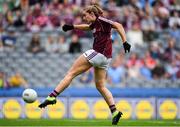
(29, 95)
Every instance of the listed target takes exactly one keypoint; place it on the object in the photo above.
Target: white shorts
(97, 59)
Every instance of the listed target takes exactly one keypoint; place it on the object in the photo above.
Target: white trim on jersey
(106, 20)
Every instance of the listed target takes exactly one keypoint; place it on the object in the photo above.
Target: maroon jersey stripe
(106, 20)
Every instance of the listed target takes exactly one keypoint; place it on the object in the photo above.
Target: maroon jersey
(102, 36)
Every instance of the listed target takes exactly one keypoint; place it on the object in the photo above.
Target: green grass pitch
(85, 123)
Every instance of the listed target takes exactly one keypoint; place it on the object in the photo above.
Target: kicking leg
(80, 65)
(100, 78)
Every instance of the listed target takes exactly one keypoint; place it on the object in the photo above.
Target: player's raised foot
(116, 116)
(49, 101)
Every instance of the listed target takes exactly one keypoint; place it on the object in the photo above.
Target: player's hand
(127, 47)
(67, 27)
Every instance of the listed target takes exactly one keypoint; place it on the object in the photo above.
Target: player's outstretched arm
(67, 27)
(121, 32)
(82, 27)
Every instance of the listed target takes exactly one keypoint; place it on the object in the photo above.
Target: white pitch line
(88, 126)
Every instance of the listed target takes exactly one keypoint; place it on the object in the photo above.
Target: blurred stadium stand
(44, 70)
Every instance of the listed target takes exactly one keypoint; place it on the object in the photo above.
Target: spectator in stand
(117, 72)
(51, 45)
(133, 72)
(178, 65)
(122, 2)
(1, 46)
(3, 80)
(35, 44)
(17, 80)
(54, 5)
(42, 20)
(62, 45)
(29, 19)
(133, 60)
(178, 74)
(133, 66)
(175, 32)
(172, 70)
(68, 16)
(1, 21)
(125, 17)
(148, 27)
(163, 14)
(87, 77)
(174, 20)
(35, 27)
(37, 10)
(155, 50)
(9, 39)
(158, 72)
(55, 19)
(136, 4)
(4, 7)
(145, 72)
(170, 51)
(34, 2)
(24, 5)
(9, 18)
(18, 21)
(177, 59)
(75, 46)
(135, 35)
(149, 61)
(111, 5)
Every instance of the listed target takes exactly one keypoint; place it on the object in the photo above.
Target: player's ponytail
(95, 9)
(100, 11)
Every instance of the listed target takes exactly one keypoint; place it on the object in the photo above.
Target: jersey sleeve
(110, 22)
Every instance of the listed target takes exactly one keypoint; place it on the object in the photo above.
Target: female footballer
(99, 57)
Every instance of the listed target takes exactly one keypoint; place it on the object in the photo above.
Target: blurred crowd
(148, 16)
(152, 27)
(15, 80)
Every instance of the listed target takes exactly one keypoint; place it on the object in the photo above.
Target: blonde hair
(95, 9)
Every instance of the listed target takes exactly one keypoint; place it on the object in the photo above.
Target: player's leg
(79, 66)
(100, 78)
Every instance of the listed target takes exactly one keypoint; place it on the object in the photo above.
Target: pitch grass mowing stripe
(87, 126)
(85, 123)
